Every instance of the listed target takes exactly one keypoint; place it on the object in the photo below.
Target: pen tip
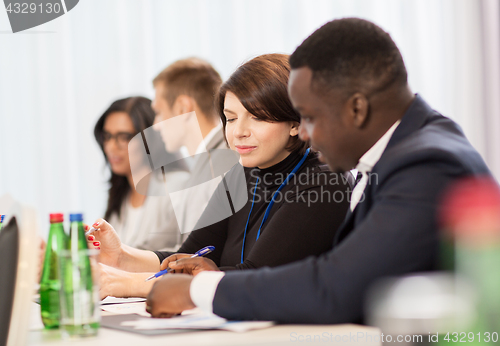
(150, 278)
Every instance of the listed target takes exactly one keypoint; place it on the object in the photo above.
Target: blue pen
(206, 250)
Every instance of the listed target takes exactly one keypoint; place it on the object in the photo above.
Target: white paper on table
(201, 320)
(192, 311)
(138, 308)
(114, 300)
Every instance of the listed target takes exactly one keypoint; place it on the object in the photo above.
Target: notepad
(138, 308)
(190, 321)
(114, 300)
(201, 320)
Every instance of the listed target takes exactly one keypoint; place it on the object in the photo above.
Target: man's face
(160, 105)
(171, 132)
(326, 124)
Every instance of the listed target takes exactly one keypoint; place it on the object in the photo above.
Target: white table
(346, 334)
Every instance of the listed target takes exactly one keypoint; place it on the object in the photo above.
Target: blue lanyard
(268, 209)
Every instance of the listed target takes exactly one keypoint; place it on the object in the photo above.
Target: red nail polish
(91, 237)
(98, 248)
(86, 227)
(96, 243)
(95, 224)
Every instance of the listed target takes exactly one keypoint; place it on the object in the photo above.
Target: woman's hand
(118, 283)
(170, 296)
(183, 263)
(106, 239)
(43, 245)
(92, 243)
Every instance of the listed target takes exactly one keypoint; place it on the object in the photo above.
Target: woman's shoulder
(315, 163)
(315, 173)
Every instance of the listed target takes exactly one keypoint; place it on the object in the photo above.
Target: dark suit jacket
(393, 231)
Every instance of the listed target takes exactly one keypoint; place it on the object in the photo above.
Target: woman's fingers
(43, 244)
(92, 243)
(96, 226)
(102, 236)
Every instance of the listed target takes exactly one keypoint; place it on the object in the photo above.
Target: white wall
(56, 79)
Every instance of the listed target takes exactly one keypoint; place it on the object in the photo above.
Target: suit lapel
(357, 214)
(347, 224)
(345, 228)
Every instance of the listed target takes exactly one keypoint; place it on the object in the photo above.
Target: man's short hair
(193, 77)
(351, 54)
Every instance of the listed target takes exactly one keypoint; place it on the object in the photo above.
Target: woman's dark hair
(261, 86)
(142, 115)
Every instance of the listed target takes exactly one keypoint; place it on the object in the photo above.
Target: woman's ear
(294, 130)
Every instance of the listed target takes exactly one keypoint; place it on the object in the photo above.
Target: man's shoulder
(217, 141)
(439, 141)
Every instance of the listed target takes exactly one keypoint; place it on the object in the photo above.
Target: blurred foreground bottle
(79, 305)
(461, 305)
(50, 282)
(471, 214)
(1, 221)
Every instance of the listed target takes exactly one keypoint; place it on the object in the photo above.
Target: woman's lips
(244, 149)
(114, 160)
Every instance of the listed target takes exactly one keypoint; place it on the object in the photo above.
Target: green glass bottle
(50, 281)
(77, 239)
(81, 313)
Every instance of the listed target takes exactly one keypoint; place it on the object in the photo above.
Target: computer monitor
(9, 255)
(18, 267)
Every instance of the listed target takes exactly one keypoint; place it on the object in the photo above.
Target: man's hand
(170, 296)
(183, 263)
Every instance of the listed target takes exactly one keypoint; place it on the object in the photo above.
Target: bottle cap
(470, 210)
(1, 218)
(56, 218)
(75, 217)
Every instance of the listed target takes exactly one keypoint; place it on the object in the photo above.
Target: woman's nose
(111, 146)
(241, 129)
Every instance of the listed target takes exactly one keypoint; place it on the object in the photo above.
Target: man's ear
(184, 104)
(358, 109)
(294, 130)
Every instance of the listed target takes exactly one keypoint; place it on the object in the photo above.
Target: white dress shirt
(366, 163)
(202, 147)
(204, 285)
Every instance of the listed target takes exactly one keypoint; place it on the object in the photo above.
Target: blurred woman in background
(143, 220)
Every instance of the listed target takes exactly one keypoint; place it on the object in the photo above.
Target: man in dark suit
(349, 83)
